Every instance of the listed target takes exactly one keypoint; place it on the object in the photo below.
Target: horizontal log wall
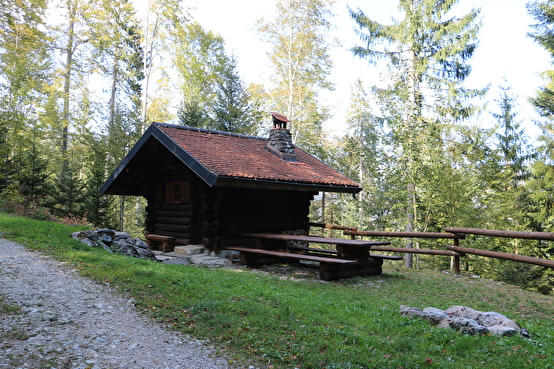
(170, 220)
(256, 210)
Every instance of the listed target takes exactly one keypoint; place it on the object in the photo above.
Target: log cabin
(207, 187)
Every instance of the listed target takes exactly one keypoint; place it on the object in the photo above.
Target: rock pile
(467, 320)
(112, 241)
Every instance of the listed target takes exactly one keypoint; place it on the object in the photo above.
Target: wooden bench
(291, 255)
(356, 260)
(154, 242)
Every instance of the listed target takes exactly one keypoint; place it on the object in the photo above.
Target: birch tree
(24, 69)
(301, 64)
(24, 73)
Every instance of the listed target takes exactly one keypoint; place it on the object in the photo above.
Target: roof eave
(230, 181)
(206, 175)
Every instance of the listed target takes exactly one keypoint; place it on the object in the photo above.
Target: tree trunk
(67, 78)
(409, 146)
(113, 96)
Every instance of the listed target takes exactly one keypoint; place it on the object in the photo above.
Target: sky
(504, 50)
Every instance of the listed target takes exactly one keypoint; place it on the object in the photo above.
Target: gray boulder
(467, 320)
(118, 242)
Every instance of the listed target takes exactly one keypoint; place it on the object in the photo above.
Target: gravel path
(68, 321)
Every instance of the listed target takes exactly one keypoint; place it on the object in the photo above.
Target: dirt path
(68, 321)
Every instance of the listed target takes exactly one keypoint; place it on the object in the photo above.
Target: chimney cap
(279, 121)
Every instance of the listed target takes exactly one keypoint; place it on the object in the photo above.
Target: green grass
(257, 314)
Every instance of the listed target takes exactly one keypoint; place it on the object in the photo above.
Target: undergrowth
(285, 318)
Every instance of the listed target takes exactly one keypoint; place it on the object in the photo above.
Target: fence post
(456, 258)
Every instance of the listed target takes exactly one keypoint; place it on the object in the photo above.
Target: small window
(177, 192)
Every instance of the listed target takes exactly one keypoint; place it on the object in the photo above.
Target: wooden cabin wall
(256, 210)
(170, 219)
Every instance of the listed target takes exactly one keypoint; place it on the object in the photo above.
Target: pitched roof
(227, 159)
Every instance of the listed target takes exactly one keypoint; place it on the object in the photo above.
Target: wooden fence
(455, 250)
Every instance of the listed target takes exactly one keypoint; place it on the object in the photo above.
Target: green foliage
(301, 65)
(426, 53)
(516, 153)
(234, 110)
(68, 195)
(283, 317)
(539, 187)
(97, 206)
(214, 96)
(200, 59)
(32, 173)
(543, 13)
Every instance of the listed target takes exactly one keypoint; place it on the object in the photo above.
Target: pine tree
(543, 13)
(511, 137)
(542, 180)
(234, 109)
(98, 207)
(32, 174)
(362, 150)
(68, 195)
(426, 52)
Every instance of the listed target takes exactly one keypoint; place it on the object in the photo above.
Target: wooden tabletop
(316, 239)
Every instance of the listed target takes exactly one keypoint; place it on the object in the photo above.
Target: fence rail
(403, 234)
(546, 236)
(503, 255)
(455, 251)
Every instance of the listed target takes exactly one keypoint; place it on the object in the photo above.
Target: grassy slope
(304, 323)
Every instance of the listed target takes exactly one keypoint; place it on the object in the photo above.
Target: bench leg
(152, 245)
(167, 247)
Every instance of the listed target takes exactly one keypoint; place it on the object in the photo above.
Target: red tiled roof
(238, 156)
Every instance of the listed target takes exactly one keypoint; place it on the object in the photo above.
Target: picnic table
(349, 257)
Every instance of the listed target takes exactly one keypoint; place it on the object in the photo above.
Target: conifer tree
(427, 54)
(543, 13)
(541, 184)
(511, 137)
(234, 109)
(213, 94)
(32, 173)
(98, 207)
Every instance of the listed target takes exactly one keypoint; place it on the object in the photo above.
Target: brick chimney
(280, 139)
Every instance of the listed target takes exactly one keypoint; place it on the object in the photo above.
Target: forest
(80, 81)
